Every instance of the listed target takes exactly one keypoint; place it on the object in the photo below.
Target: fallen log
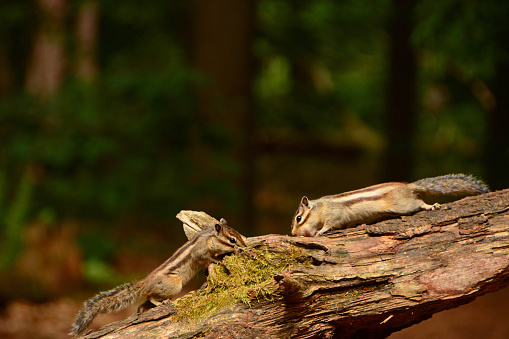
(368, 281)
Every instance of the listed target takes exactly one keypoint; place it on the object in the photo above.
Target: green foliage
(116, 147)
(129, 144)
(122, 144)
(92, 157)
(13, 218)
(463, 33)
(119, 144)
(320, 59)
(324, 61)
(97, 271)
(460, 51)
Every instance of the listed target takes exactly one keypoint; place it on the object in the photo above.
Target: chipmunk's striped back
(314, 217)
(207, 246)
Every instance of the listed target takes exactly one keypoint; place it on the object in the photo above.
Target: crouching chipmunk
(315, 217)
(207, 246)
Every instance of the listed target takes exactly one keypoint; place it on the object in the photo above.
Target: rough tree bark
(367, 281)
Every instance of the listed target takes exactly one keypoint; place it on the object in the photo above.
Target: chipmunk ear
(223, 222)
(218, 228)
(305, 202)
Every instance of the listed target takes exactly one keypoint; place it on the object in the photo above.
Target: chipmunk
(315, 217)
(206, 247)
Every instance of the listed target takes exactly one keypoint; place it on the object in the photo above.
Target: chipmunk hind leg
(408, 201)
(434, 207)
(166, 287)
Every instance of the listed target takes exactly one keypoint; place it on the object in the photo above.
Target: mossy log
(367, 281)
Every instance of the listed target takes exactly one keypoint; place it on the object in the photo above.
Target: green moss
(243, 277)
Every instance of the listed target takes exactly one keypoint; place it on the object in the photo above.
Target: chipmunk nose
(302, 233)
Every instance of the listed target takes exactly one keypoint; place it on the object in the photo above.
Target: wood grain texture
(367, 281)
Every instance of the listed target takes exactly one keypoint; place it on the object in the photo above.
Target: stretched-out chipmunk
(315, 217)
(206, 247)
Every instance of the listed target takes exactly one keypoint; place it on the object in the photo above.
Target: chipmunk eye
(299, 218)
(232, 240)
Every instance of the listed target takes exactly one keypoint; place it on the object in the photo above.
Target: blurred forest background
(115, 115)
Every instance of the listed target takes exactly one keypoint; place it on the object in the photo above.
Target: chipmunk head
(226, 240)
(305, 222)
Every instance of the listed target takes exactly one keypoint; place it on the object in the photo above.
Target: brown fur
(315, 217)
(168, 279)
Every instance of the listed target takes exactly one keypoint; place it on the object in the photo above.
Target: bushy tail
(453, 184)
(113, 300)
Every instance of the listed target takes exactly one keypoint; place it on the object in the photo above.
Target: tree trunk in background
(400, 112)
(47, 63)
(87, 26)
(5, 71)
(222, 51)
(497, 136)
